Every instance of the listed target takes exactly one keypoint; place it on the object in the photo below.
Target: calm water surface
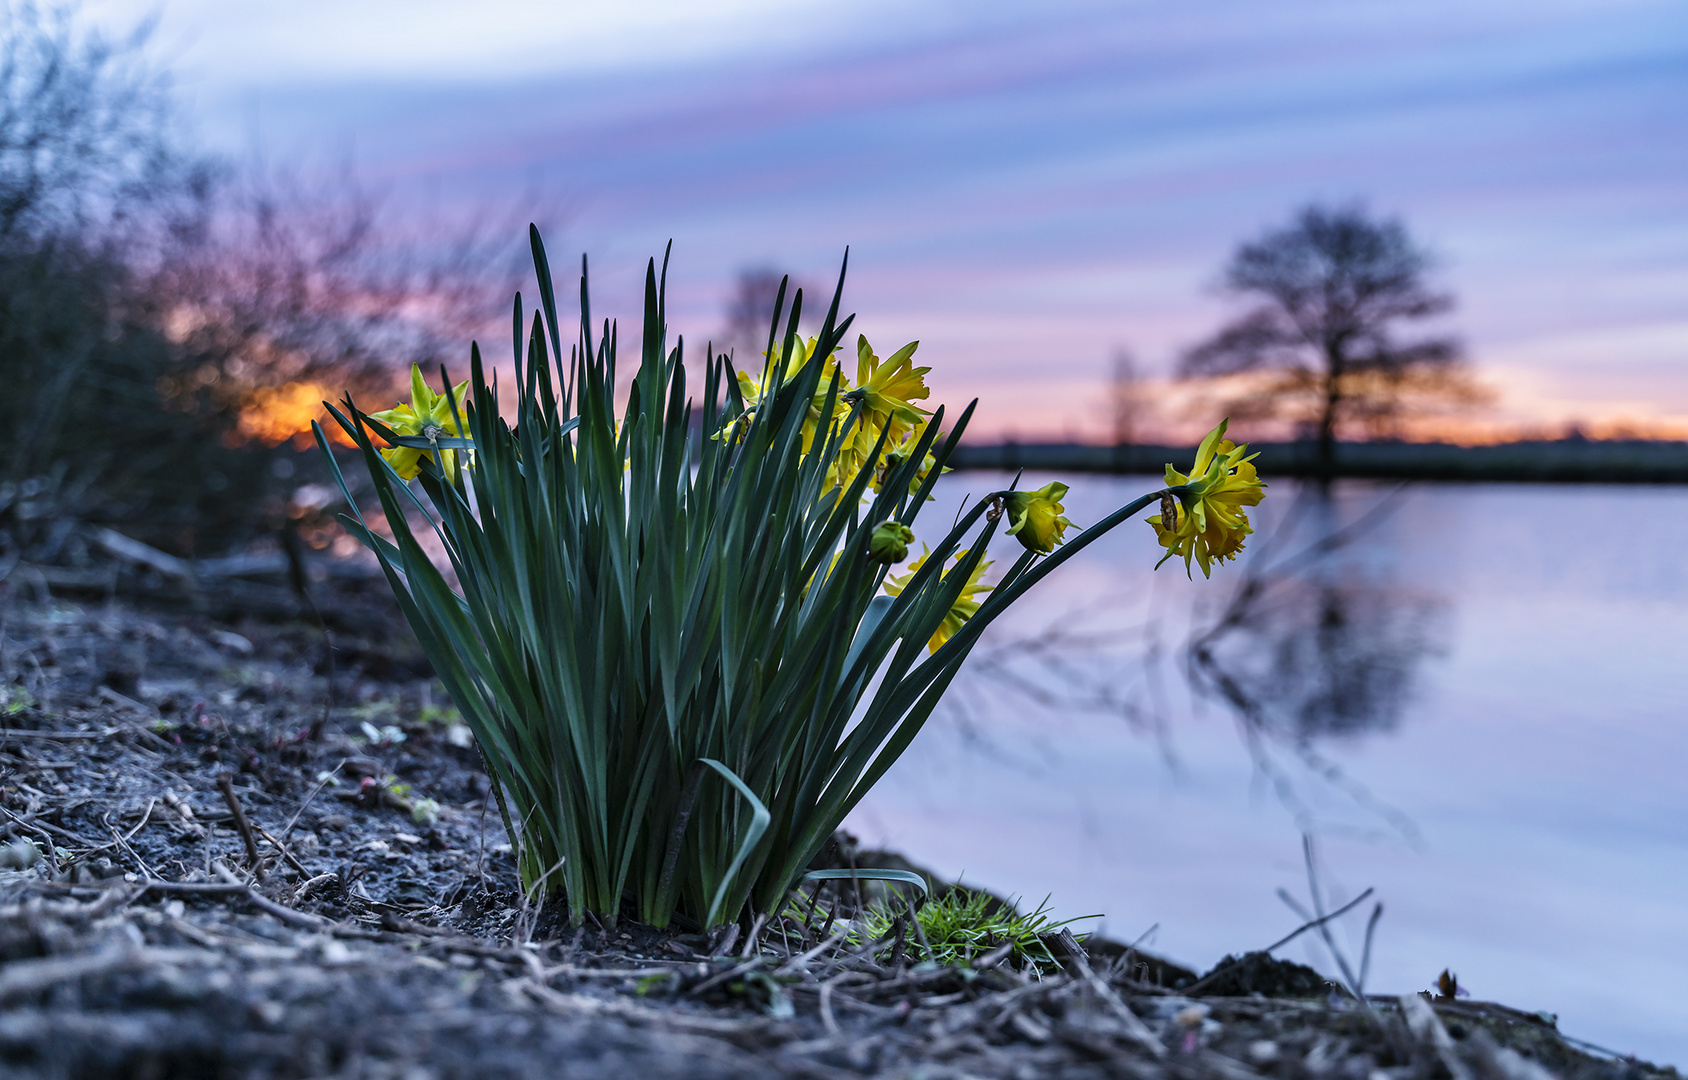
(1470, 696)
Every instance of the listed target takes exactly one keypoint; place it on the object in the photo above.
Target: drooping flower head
(429, 415)
(966, 603)
(1035, 518)
(1211, 523)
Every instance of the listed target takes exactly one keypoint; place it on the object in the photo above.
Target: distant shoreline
(1568, 461)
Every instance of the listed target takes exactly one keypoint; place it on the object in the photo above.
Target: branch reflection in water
(1316, 640)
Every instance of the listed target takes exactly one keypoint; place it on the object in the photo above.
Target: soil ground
(380, 932)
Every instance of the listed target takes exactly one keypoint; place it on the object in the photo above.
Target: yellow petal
(421, 398)
(401, 419)
(1204, 453)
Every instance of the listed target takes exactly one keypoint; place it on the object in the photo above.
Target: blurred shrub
(168, 327)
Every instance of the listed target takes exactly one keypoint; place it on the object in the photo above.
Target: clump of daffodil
(966, 603)
(1208, 504)
(889, 542)
(1035, 518)
(428, 416)
(602, 557)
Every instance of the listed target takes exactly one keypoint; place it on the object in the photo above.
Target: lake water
(1470, 696)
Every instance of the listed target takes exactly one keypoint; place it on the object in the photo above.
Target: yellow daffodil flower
(1035, 519)
(966, 605)
(752, 390)
(802, 351)
(855, 450)
(883, 399)
(428, 415)
(1211, 523)
(887, 387)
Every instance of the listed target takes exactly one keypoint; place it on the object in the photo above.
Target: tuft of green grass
(447, 716)
(15, 699)
(964, 924)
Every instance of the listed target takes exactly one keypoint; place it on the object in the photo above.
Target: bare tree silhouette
(1126, 399)
(750, 309)
(1334, 286)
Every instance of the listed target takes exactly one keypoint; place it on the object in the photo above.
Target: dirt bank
(379, 932)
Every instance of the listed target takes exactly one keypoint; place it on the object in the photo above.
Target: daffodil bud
(1034, 517)
(889, 542)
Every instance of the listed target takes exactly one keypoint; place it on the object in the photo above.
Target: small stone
(234, 643)
(333, 953)
(269, 1013)
(1263, 1051)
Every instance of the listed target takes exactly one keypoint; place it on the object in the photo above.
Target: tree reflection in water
(1320, 643)
(1326, 643)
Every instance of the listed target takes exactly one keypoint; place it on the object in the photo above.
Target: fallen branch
(115, 543)
(225, 783)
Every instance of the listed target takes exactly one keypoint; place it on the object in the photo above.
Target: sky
(1024, 188)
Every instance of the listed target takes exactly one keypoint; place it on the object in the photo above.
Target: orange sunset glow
(273, 415)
